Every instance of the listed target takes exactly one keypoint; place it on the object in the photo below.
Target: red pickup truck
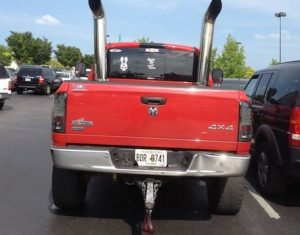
(148, 116)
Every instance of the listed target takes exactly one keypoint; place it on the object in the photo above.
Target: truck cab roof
(153, 45)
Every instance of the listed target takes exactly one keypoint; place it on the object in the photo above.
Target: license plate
(27, 79)
(154, 158)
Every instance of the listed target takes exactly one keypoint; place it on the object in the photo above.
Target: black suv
(38, 78)
(275, 94)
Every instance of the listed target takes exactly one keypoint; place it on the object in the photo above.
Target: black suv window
(285, 89)
(251, 85)
(48, 73)
(3, 73)
(261, 89)
(30, 72)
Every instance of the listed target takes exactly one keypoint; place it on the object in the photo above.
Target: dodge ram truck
(148, 115)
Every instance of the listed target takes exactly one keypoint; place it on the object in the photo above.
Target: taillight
(41, 80)
(9, 86)
(245, 127)
(294, 129)
(59, 113)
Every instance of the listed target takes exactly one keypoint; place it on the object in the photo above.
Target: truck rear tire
(1, 104)
(68, 188)
(225, 195)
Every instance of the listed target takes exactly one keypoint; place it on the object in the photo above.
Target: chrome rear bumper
(202, 164)
(4, 96)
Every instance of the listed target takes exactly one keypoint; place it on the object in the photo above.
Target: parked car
(74, 77)
(5, 86)
(64, 75)
(275, 94)
(38, 78)
(233, 83)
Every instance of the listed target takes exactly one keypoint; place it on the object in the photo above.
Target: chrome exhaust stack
(207, 34)
(99, 39)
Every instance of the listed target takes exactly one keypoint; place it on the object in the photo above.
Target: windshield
(3, 73)
(151, 64)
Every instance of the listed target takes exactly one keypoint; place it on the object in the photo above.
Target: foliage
(29, 50)
(213, 59)
(249, 72)
(143, 40)
(88, 60)
(232, 59)
(5, 55)
(54, 63)
(273, 62)
(68, 56)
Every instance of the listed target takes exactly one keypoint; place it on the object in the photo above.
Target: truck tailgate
(142, 115)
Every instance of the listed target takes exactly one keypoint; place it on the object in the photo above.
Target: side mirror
(217, 76)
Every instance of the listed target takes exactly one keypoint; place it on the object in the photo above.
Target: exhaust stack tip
(97, 8)
(213, 10)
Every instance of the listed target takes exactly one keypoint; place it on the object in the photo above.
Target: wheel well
(265, 134)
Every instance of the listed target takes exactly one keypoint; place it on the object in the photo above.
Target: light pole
(279, 15)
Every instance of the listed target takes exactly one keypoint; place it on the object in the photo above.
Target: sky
(252, 23)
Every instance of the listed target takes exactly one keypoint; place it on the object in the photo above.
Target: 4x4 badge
(153, 111)
(221, 127)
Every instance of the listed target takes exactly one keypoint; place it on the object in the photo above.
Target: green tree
(232, 59)
(88, 60)
(213, 59)
(54, 63)
(143, 40)
(42, 50)
(5, 55)
(273, 62)
(249, 72)
(68, 56)
(29, 50)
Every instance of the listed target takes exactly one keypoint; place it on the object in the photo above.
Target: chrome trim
(207, 34)
(203, 164)
(99, 38)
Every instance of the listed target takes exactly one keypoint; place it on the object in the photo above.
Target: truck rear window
(151, 64)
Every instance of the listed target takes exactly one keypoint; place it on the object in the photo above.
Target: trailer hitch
(149, 189)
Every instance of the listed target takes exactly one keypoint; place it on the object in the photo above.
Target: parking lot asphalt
(181, 208)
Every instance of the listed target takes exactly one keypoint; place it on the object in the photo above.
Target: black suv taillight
(245, 127)
(59, 113)
(41, 80)
(294, 128)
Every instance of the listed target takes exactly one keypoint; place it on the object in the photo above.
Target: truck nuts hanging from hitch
(149, 189)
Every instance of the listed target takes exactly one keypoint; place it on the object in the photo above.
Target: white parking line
(262, 202)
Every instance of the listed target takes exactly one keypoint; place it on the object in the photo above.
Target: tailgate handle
(153, 100)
